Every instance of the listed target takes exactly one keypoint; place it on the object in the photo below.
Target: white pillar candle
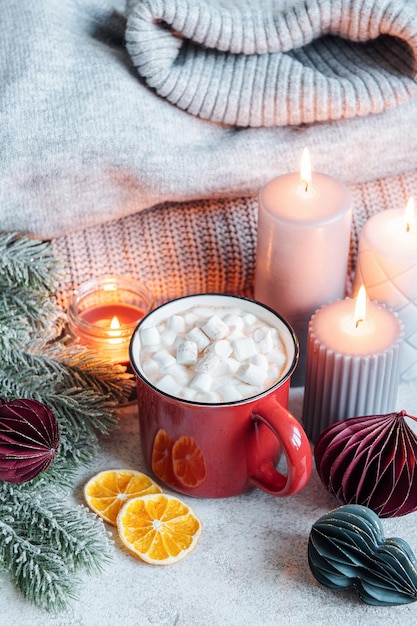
(353, 360)
(387, 266)
(302, 252)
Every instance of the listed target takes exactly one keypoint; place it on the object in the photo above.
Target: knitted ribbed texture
(179, 249)
(269, 62)
(84, 140)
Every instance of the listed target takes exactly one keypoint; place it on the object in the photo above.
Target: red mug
(214, 450)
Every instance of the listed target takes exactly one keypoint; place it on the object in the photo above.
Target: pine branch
(41, 577)
(27, 263)
(43, 544)
(21, 304)
(43, 556)
(81, 391)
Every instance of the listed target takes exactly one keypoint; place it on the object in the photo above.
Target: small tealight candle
(353, 359)
(103, 313)
(387, 266)
(304, 226)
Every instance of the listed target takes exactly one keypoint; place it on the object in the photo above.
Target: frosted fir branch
(75, 532)
(12, 337)
(80, 414)
(81, 391)
(43, 370)
(58, 365)
(83, 365)
(75, 450)
(44, 543)
(44, 555)
(30, 304)
(41, 577)
(27, 263)
(81, 388)
(81, 409)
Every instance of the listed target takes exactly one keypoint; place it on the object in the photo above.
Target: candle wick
(358, 322)
(306, 186)
(407, 227)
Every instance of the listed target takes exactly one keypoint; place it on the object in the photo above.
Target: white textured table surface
(249, 568)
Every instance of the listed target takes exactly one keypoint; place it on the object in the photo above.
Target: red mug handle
(295, 445)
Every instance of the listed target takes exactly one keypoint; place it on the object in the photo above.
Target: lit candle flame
(409, 214)
(360, 307)
(115, 326)
(305, 169)
(115, 323)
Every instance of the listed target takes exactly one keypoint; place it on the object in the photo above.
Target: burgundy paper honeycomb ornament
(29, 439)
(372, 461)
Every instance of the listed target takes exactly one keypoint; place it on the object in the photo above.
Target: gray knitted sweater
(271, 62)
(105, 113)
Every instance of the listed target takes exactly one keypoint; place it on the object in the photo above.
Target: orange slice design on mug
(181, 462)
(188, 462)
(162, 457)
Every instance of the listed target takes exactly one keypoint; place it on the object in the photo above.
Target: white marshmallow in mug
(230, 393)
(209, 396)
(277, 356)
(169, 385)
(200, 338)
(176, 323)
(235, 324)
(201, 381)
(274, 372)
(188, 393)
(252, 374)
(164, 358)
(244, 348)
(227, 367)
(179, 372)
(187, 353)
(263, 339)
(168, 337)
(150, 366)
(190, 318)
(260, 360)
(150, 336)
(221, 348)
(233, 320)
(208, 363)
(248, 390)
(249, 319)
(215, 328)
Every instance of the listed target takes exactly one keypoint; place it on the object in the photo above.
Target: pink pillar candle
(302, 249)
(387, 266)
(352, 364)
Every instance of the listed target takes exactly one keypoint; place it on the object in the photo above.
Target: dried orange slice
(107, 491)
(158, 528)
(188, 462)
(162, 457)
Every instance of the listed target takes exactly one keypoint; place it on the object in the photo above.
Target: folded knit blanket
(271, 62)
(91, 101)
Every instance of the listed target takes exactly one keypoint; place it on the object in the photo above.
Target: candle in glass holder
(353, 359)
(304, 227)
(387, 266)
(103, 313)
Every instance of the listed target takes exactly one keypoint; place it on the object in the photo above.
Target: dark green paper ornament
(347, 548)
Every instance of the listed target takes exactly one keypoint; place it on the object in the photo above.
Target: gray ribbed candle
(352, 369)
